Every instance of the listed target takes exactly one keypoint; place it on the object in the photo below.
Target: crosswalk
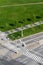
(26, 52)
(23, 59)
(33, 56)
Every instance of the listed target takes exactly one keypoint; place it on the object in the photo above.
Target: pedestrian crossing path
(25, 51)
(33, 56)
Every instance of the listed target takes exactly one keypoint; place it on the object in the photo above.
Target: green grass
(5, 2)
(26, 32)
(12, 15)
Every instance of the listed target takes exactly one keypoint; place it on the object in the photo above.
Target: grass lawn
(6, 2)
(26, 32)
(11, 16)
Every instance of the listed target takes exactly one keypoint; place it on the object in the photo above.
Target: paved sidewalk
(25, 27)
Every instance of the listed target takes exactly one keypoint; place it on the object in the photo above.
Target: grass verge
(10, 16)
(26, 32)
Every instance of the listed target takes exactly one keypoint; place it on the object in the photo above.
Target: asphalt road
(25, 61)
(22, 60)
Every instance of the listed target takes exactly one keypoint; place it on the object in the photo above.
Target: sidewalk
(25, 27)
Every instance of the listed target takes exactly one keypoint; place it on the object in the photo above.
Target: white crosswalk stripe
(33, 56)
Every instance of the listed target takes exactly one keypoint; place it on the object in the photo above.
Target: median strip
(26, 32)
